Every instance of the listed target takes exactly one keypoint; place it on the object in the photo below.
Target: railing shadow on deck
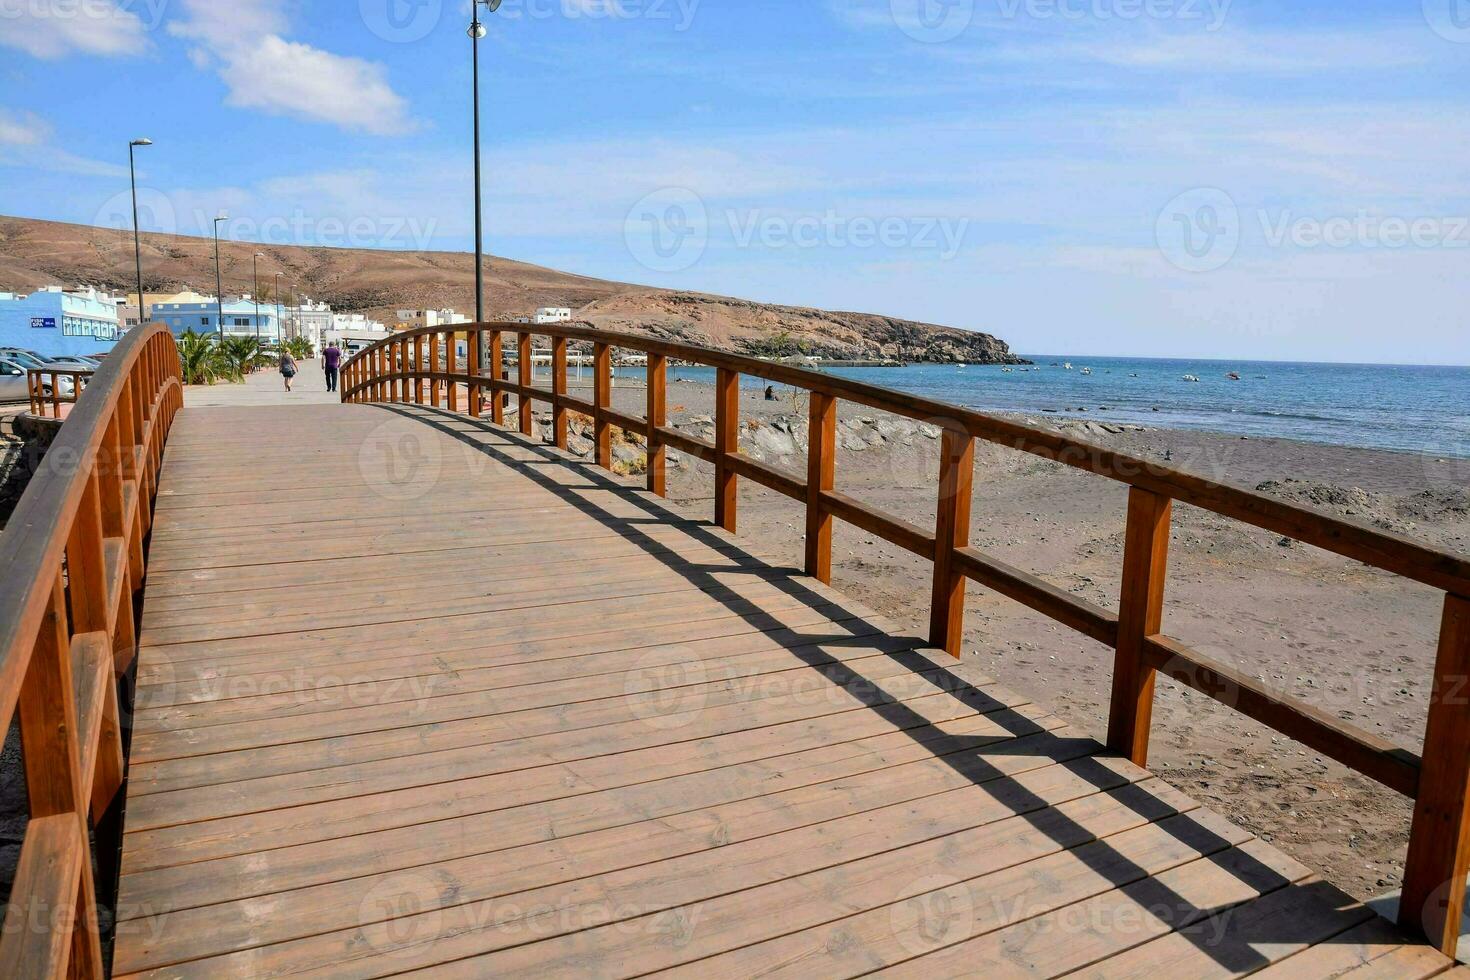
(417, 365)
(1025, 736)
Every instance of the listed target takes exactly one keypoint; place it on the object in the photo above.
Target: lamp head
(141, 142)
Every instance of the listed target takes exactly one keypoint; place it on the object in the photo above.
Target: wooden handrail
(71, 559)
(41, 401)
(1439, 852)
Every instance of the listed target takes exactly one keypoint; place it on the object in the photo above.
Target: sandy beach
(1346, 638)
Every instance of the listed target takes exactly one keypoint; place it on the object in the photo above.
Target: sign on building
(43, 323)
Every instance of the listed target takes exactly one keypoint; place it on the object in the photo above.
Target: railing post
(451, 366)
(1435, 871)
(523, 372)
(658, 416)
(559, 390)
(497, 370)
(601, 399)
(951, 531)
(475, 366)
(1140, 615)
(48, 729)
(821, 474)
(727, 444)
(433, 369)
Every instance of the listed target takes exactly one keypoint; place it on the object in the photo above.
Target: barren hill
(37, 253)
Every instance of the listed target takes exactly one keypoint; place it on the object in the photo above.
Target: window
(242, 321)
(204, 321)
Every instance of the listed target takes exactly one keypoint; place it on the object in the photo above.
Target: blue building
(203, 317)
(54, 322)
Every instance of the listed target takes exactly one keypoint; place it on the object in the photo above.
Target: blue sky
(1152, 177)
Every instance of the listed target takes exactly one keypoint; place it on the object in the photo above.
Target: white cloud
(55, 28)
(264, 70)
(22, 130)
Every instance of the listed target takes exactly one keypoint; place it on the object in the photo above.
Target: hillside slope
(37, 253)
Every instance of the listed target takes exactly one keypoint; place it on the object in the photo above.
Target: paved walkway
(420, 694)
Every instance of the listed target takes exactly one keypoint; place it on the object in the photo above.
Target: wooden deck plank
(509, 715)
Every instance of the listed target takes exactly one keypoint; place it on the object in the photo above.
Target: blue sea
(1417, 409)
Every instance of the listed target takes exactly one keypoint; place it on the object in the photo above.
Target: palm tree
(201, 359)
(241, 356)
(300, 348)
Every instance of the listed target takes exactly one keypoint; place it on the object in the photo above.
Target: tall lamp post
(477, 354)
(255, 290)
(219, 289)
(280, 314)
(137, 243)
(477, 31)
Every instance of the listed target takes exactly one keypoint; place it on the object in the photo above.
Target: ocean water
(1416, 409)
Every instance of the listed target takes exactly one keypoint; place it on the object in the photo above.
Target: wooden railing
(71, 560)
(420, 367)
(48, 393)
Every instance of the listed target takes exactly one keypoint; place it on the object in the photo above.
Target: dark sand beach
(1348, 639)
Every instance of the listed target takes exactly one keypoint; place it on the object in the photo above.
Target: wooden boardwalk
(419, 694)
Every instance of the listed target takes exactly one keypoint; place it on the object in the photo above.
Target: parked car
(13, 386)
(29, 360)
(79, 362)
(25, 358)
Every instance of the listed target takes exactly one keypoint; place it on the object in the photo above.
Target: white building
(553, 314)
(309, 319)
(414, 319)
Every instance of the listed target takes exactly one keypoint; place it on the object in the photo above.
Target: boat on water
(1233, 376)
(1087, 371)
(1191, 377)
(1067, 366)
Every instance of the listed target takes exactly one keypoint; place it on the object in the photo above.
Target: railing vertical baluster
(559, 390)
(48, 729)
(602, 399)
(451, 365)
(1435, 871)
(951, 531)
(497, 371)
(523, 372)
(1140, 615)
(821, 474)
(433, 369)
(658, 416)
(85, 567)
(475, 365)
(727, 444)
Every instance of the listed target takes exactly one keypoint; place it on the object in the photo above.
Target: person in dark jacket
(331, 364)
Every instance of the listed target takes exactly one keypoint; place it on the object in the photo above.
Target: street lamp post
(219, 289)
(137, 243)
(280, 314)
(255, 290)
(477, 354)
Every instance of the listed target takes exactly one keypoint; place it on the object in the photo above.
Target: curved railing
(420, 367)
(71, 561)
